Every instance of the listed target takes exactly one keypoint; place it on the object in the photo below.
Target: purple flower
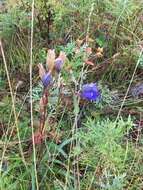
(90, 92)
(46, 79)
(58, 64)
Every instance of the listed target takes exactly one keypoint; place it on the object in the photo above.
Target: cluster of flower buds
(53, 64)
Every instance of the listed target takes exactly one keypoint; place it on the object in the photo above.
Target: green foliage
(105, 139)
(19, 180)
(5, 109)
(12, 21)
(106, 97)
(117, 182)
(2, 83)
(102, 144)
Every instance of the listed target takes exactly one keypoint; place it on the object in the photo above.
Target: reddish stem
(39, 136)
(43, 109)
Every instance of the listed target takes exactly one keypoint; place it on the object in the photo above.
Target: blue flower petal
(46, 79)
(58, 64)
(90, 92)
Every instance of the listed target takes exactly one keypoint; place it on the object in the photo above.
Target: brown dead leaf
(100, 50)
(89, 40)
(88, 50)
(89, 63)
(99, 55)
(54, 135)
(79, 42)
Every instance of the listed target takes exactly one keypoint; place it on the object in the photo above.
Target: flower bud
(46, 79)
(58, 64)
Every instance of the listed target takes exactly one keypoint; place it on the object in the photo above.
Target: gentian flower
(52, 65)
(90, 92)
(46, 79)
(60, 61)
(58, 64)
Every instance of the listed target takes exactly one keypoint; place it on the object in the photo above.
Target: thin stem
(13, 107)
(132, 78)
(31, 101)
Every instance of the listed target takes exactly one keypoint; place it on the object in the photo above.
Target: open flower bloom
(90, 92)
